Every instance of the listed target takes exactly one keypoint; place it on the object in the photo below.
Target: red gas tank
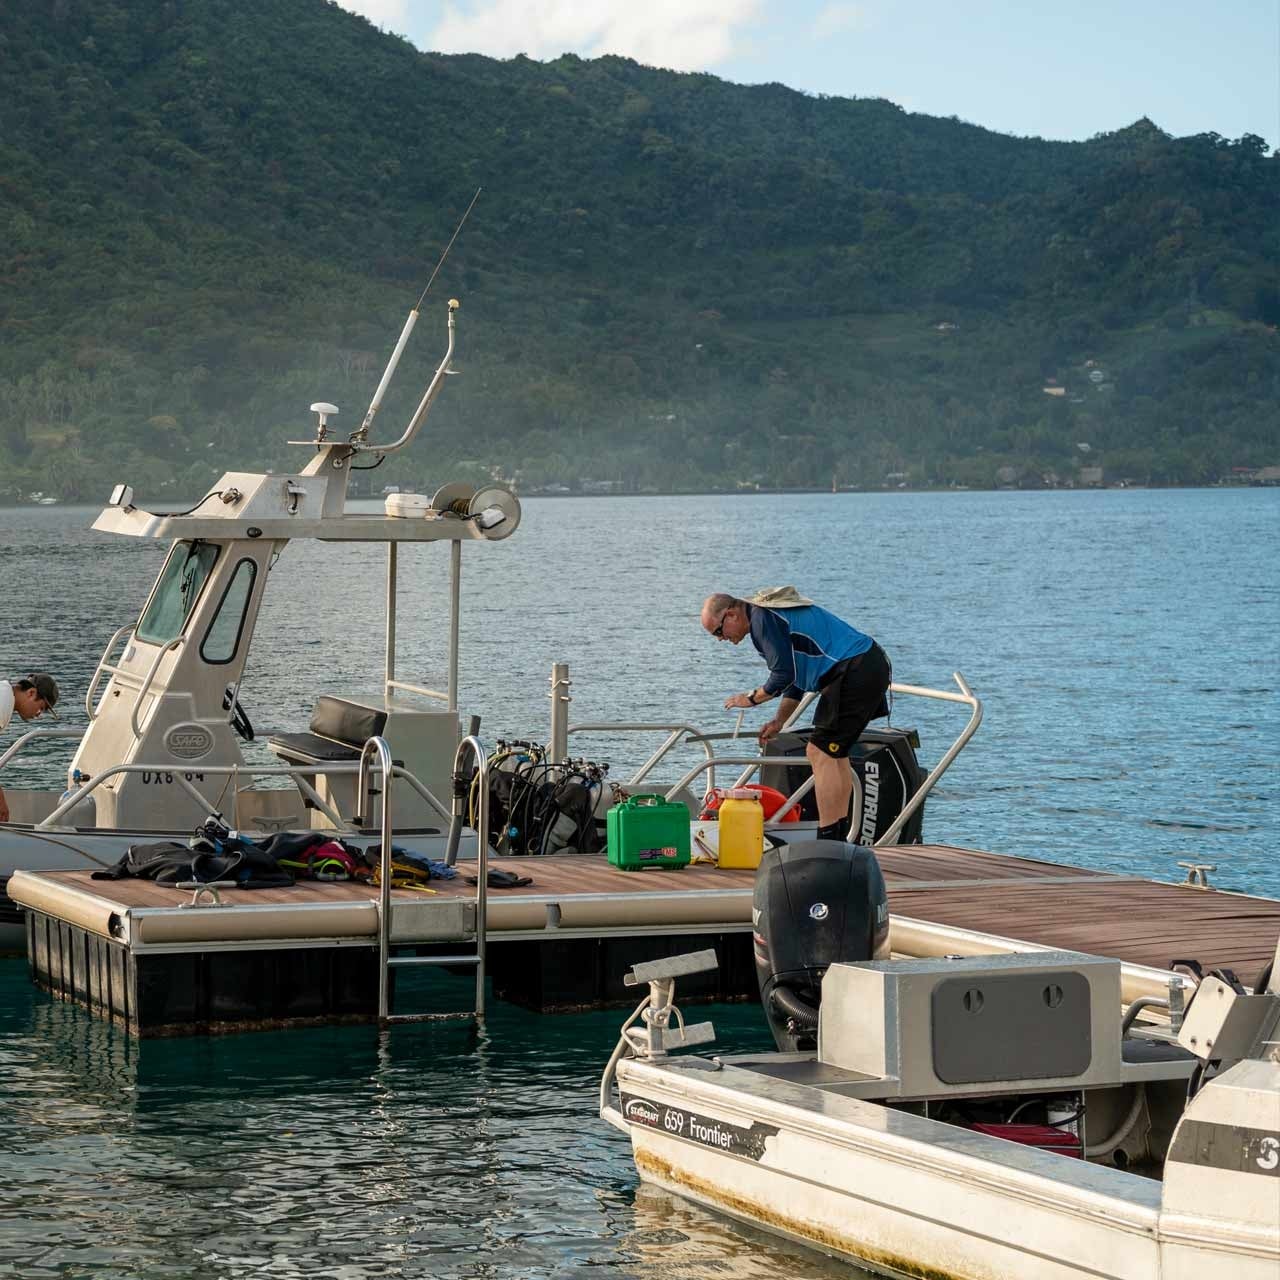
(771, 800)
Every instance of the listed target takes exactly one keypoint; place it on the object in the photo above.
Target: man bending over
(808, 649)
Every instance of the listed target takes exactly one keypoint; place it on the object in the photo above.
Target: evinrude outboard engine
(888, 773)
(816, 903)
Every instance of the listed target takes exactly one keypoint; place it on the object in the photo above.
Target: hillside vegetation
(212, 214)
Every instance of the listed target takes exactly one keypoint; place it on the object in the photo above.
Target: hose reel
(493, 508)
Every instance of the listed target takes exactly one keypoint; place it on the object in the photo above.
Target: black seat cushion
(345, 721)
(311, 748)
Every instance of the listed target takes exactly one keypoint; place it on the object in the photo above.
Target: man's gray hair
(719, 602)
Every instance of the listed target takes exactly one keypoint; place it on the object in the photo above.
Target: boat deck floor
(1126, 918)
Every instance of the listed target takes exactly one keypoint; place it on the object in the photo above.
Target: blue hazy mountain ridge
(214, 216)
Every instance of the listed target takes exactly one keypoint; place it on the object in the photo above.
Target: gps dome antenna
(360, 436)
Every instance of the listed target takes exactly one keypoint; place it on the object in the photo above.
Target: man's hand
(738, 700)
(770, 729)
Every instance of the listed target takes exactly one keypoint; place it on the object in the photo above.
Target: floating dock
(140, 954)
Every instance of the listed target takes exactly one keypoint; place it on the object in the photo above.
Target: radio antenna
(462, 223)
(358, 437)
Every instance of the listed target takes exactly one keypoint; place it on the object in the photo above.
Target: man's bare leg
(832, 785)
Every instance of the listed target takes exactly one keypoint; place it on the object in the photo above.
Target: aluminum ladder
(377, 746)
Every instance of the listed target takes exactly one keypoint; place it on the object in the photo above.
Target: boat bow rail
(34, 735)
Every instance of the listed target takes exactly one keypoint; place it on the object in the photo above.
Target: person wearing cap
(29, 697)
(809, 650)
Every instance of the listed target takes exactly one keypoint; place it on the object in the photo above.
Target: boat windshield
(176, 592)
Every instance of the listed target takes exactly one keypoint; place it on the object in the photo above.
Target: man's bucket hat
(779, 598)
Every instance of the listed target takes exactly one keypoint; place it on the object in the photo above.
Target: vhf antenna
(360, 436)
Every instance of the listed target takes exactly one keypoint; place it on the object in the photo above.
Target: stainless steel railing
(685, 733)
(16, 747)
(295, 772)
(965, 696)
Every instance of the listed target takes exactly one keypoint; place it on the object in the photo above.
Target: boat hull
(904, 1195)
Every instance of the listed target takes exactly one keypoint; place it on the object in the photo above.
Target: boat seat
(339, 729)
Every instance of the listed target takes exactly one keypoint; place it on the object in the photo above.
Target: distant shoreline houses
(1253, 476)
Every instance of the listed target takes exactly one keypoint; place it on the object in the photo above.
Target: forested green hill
(213, 213)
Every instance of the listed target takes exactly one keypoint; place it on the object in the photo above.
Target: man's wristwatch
(751, 697)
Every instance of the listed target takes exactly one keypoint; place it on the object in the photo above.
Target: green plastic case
(648, 833)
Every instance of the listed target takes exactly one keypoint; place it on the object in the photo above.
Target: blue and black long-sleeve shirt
(801, 646)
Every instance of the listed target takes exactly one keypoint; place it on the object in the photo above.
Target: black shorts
(854, 694)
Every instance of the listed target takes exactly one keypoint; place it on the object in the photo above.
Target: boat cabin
(166, 724)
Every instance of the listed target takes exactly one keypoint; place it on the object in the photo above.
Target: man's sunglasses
(719, 630)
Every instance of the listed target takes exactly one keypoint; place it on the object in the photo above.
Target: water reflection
(677, 1240)
(429, 1151)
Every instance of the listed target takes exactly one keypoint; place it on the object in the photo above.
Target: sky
(1066, 70)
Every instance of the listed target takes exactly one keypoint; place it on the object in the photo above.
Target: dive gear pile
(538, 805)
(215, 853)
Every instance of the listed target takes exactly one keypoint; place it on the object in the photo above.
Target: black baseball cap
(46, 687)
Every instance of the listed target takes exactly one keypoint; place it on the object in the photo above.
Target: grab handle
(104, 666)
(147, 683)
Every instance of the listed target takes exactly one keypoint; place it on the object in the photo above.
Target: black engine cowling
(816, 903)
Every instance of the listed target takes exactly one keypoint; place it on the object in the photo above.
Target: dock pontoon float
(969, 1118)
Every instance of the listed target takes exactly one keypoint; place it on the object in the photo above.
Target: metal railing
(679, 733)
(686, 733)
(31, 734)
(148, 681)
(90, 709)
(676, 734)
(965, 696)
(104, 667)
(435, 694)
(386, 961)
(295, 772)
(800, 762)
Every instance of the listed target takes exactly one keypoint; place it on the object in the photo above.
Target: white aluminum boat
(161, 753)
(1152, 1152)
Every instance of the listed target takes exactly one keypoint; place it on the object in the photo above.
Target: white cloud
(684, 35)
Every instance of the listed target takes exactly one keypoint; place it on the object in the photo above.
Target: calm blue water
(1123, 643)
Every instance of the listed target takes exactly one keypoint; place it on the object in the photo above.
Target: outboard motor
(816, 903)
(888, 772)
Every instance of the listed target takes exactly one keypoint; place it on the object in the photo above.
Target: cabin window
(181, 581)
(223, 637)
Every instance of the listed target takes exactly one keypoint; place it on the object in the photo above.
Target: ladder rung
(430, 1017)
(438, 960)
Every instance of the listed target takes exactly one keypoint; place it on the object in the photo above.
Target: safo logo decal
(188, 741)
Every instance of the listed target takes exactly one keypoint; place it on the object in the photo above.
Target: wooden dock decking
(577, 902)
